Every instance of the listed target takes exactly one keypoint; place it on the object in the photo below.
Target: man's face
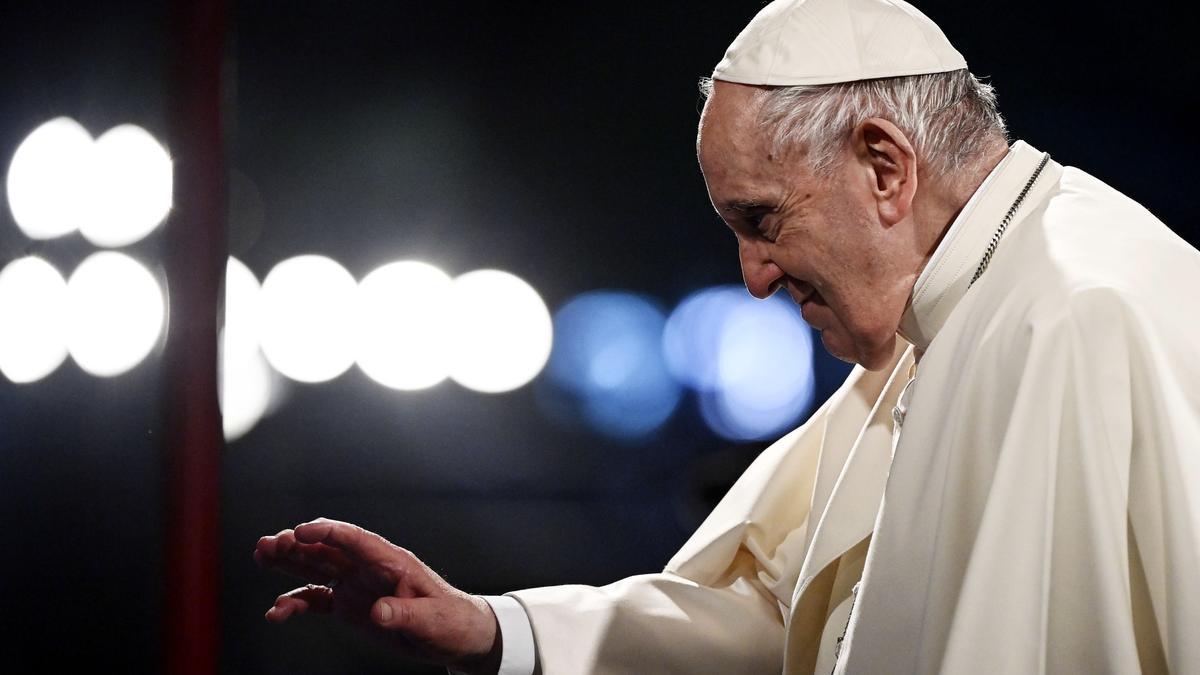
(819, 239)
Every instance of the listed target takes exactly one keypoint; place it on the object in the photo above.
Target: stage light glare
(608, 366)
(242, 308)
(33, 304)
(115, 313)
(48, 179)
(130, 188)
(500, 331)
(765, 377)
(246, 390)
(307, 325)
(402, 327)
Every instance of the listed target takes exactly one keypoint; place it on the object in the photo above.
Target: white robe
(1042, 511)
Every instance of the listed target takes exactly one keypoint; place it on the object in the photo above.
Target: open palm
(369, 582)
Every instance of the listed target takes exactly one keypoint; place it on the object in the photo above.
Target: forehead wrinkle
(731, 111)
(732, 149)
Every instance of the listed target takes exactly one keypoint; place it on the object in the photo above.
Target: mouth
(801, 291)
(813, 299)
(810, 302)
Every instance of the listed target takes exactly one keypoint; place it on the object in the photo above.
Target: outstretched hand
(369, 582)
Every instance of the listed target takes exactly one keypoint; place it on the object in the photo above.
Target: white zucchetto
(794, 42)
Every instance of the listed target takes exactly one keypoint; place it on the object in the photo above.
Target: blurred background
(476, 301)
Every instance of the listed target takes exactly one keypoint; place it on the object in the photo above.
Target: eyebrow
(744, 205)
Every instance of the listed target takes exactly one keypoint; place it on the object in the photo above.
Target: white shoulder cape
(1042, 512)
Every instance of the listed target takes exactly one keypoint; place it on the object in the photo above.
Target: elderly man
(1009, 482)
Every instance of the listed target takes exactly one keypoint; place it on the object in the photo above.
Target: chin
(872, 354)
(837, 348)
(878, 355)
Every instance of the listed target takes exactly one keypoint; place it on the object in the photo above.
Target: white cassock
(1041, 512)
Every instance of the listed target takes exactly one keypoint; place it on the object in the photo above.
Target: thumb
(443, 630)
(400, 614)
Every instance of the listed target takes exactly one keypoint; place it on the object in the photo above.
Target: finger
(310, 573)
(352, 539)
(268, 546)
(312, 562)
(317, 558)
(308, 598)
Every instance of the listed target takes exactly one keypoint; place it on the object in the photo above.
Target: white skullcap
(794, 42)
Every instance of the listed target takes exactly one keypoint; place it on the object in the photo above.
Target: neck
(945, 200)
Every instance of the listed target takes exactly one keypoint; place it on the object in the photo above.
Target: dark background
(552, 140)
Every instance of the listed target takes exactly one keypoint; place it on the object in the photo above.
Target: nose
(761, 274)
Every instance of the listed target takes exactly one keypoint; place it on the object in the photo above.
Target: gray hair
(950, 118)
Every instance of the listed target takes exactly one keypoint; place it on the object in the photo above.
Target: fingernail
(385, 613)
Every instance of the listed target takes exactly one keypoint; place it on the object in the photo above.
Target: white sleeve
(657, 623)
(518, 656)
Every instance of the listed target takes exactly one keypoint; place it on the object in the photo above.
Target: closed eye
(755, 222)
(751, 213)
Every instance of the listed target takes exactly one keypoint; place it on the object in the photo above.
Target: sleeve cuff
(519, 657)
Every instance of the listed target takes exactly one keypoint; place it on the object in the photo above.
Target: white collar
(945, 278)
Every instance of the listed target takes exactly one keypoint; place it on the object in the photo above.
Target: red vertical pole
(195, 252)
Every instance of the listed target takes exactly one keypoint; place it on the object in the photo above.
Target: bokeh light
(607, 359)
(692, 336)
(33, 310)
(750, 360)
(246, 390)
(307, 326)
(242, 307)
(130, 188)
(765, 376)
(49, 179)
(500, 331)
(115, 313)
(403, 312)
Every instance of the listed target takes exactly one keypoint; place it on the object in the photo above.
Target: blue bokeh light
(692, 336)
(751, 361)
(607, 361)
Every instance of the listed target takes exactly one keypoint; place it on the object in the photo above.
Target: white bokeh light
(130, 188)
(307, 326)
(246, 381)
(247, 390)
(49, 179)
(242, 307)
(115, 313)
(33, 308)
(501, 331)
(402, 327)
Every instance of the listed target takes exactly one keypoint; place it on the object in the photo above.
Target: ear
(887, 156)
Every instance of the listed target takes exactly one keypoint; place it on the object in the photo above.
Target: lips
(801, 292)
(813, 308)
(810, 305)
